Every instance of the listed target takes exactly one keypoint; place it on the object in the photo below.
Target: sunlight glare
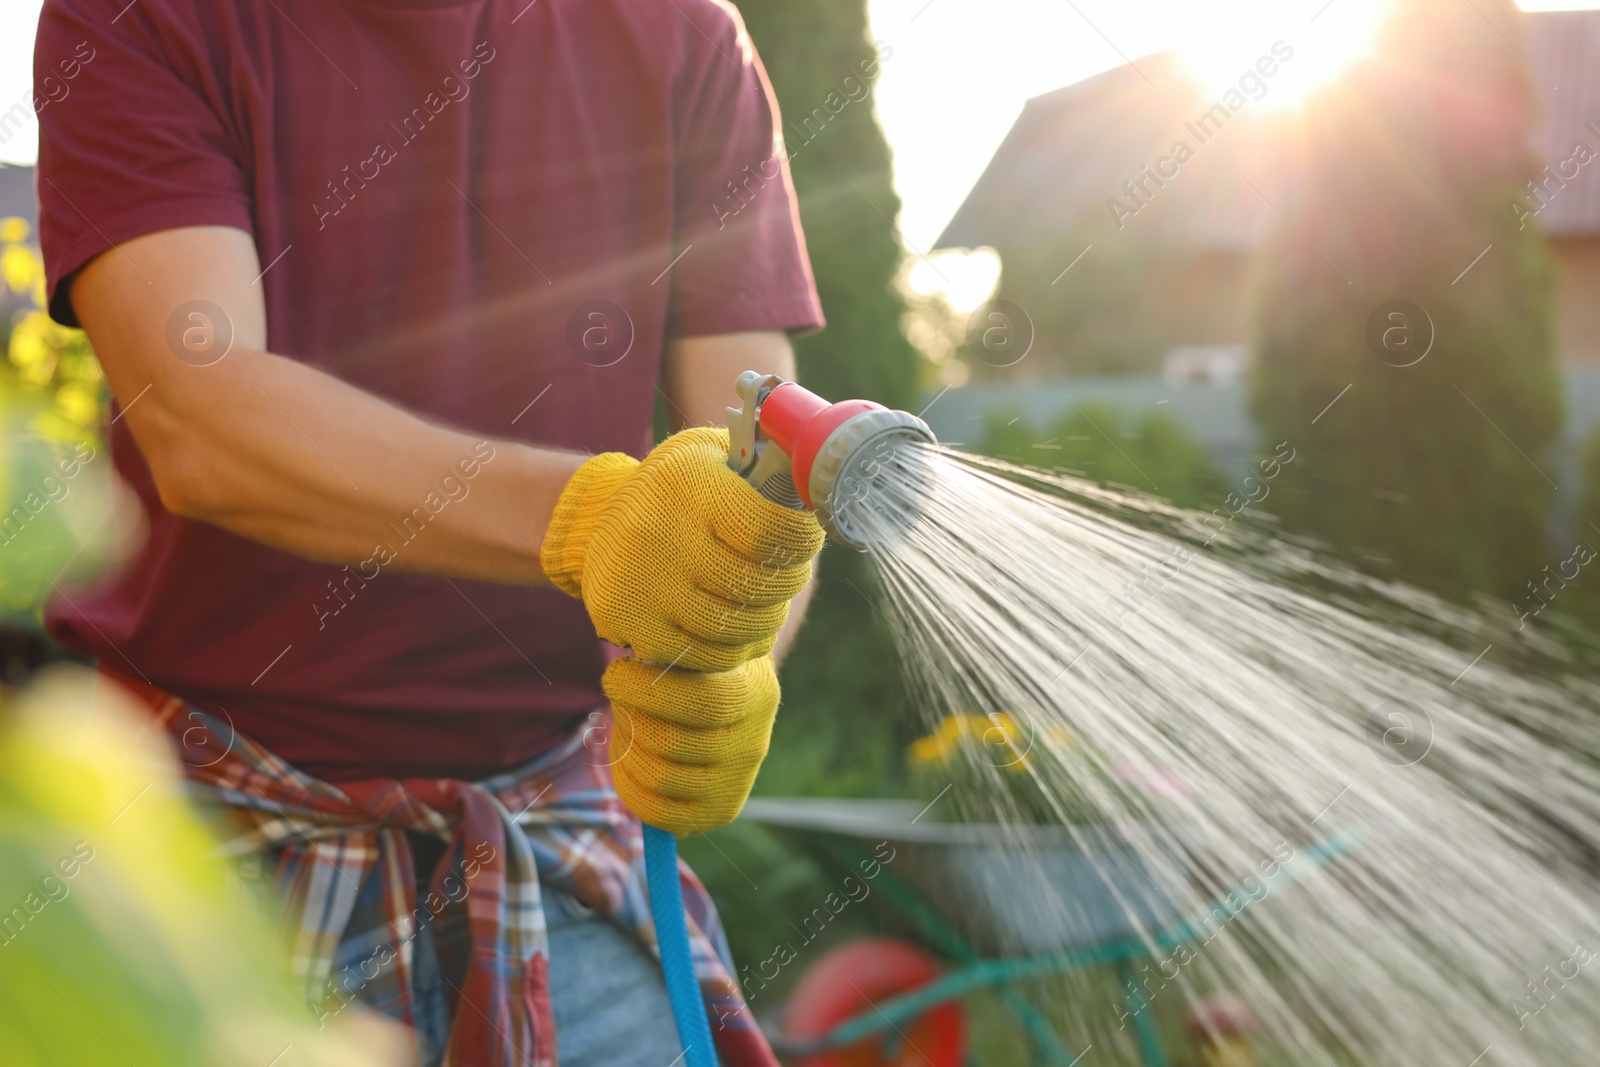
(964, 278)
(1226, 41)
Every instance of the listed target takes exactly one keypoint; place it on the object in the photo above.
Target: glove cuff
(577, 513)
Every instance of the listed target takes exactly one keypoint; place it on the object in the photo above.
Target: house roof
(1071, 150)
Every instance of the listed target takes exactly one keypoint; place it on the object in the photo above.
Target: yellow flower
(78, 363)
(21, 266)
(927, 750)
(1002, 739)
(53, 426)
(13, 229)
(940, 745)
(32, 351)
(78, 404)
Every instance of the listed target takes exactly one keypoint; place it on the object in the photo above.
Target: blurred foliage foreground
(55, 484)
(50, 371)
(122, 938)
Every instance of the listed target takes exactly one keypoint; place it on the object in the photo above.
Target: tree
(845, 713)
(1422, 428)
(844, 704)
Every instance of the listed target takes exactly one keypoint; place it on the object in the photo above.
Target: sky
(960, 70)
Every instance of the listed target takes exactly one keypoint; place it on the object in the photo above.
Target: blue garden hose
(672, 941)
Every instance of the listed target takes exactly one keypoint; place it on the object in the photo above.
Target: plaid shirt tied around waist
(345, 884)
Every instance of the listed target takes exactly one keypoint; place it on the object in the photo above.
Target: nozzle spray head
(853, 462)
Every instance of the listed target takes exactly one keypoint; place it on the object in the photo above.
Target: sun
(1324, 38)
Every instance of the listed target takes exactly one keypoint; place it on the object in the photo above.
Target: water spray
(849, 463)
(1235, 718)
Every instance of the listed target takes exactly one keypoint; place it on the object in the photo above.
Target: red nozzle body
(799, 421)
(800, 451)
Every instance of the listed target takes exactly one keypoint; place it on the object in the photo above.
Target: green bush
(1151, 453)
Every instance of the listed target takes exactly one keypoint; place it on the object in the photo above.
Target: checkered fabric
(343, 875)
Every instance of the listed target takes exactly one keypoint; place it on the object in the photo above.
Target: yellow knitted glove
(678, 557)
(686, 746)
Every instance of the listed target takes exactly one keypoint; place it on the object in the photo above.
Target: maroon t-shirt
(492, 212)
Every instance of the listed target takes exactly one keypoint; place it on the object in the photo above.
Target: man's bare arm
(279, 452)
(698, 376)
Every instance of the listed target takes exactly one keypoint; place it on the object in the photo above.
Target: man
(371, 281)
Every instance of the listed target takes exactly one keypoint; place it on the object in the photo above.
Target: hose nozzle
(854, 463)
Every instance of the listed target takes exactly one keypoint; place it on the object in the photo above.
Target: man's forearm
(283, 454)
(280, 452)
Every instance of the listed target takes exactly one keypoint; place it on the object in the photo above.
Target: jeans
(606, 990)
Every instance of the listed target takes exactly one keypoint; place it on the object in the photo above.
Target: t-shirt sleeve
(743, 262)
(131, 143)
